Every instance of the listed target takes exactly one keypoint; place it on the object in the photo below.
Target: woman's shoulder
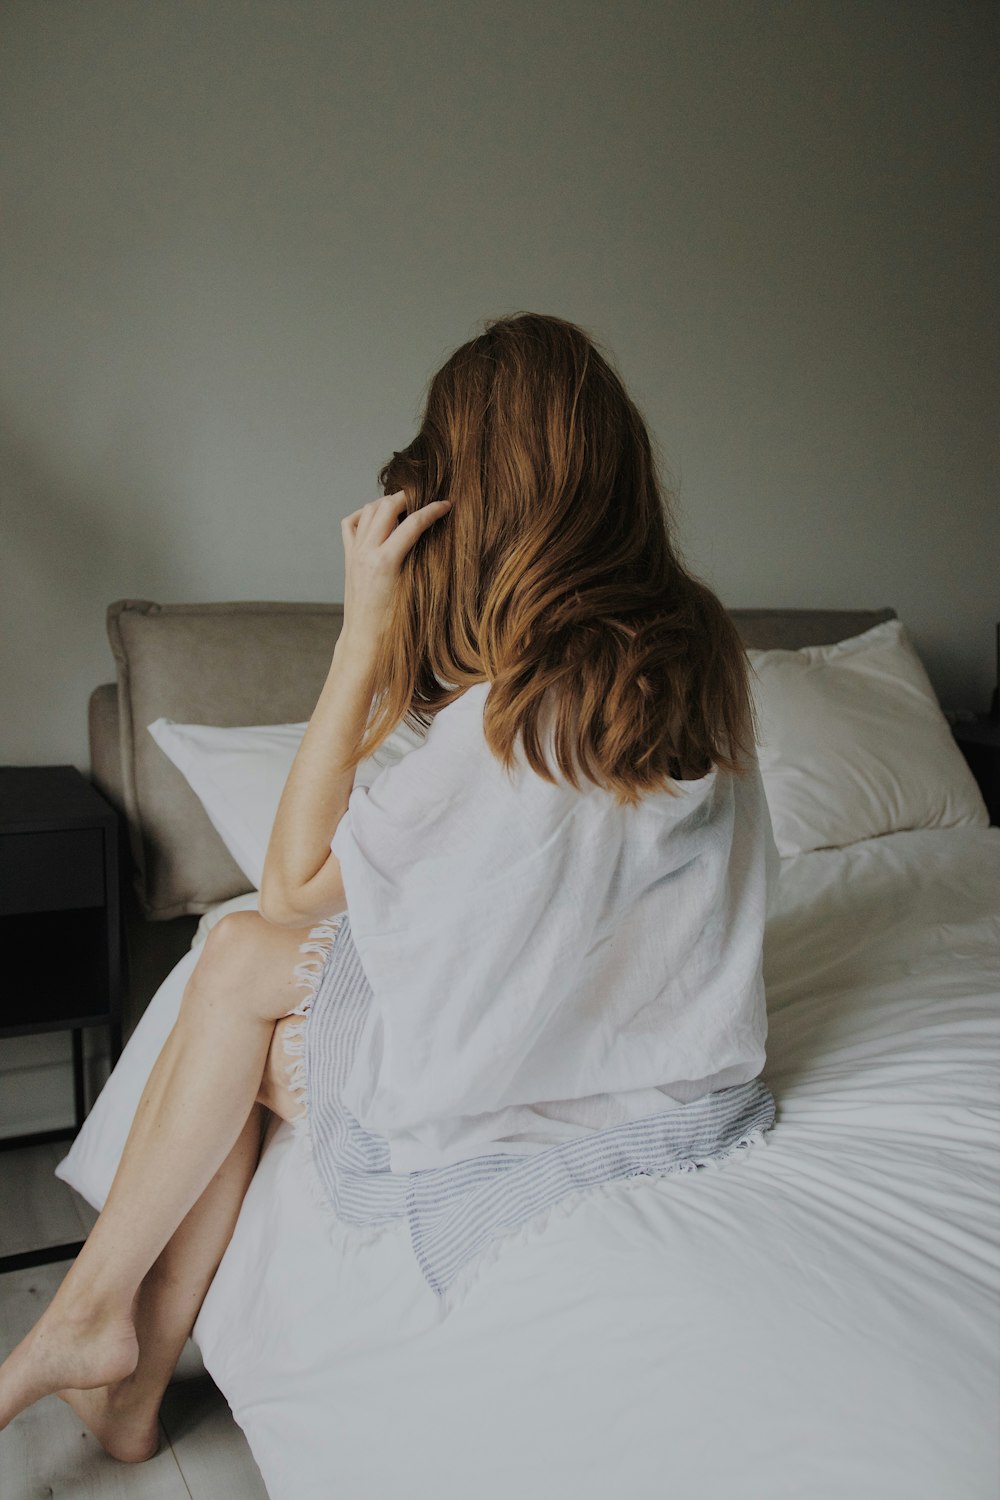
(406, 738)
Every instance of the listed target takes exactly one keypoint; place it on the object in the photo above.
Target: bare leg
(124, 1417)
(192, 1114)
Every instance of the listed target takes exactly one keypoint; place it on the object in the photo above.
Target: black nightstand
(979, 741)
(60, 928)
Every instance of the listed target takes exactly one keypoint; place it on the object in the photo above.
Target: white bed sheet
(815, 1320)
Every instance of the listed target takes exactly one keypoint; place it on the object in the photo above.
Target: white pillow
(853, 744)
(239, 774)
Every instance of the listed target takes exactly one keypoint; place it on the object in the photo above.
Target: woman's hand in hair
(375, 543)
(301, 880)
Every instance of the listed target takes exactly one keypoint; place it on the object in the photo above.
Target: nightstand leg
(79, 1082)
(49, 1253)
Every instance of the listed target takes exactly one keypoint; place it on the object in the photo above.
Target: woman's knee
(233, 945)
(251, 962)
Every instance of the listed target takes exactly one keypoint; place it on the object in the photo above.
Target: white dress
(544, 962)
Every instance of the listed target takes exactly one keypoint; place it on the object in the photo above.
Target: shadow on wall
(65, 556)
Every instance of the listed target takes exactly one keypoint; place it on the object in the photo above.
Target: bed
(818, 1318)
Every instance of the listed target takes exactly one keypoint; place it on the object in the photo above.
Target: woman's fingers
(379, 520)
(386, 506)
(377, 524)
(402, 537)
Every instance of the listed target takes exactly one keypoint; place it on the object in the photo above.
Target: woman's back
(546, 962)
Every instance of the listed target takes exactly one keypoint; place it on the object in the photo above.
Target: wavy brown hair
(555, 576)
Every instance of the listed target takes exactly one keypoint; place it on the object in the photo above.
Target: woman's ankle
(139, 1391)
(87, 1305)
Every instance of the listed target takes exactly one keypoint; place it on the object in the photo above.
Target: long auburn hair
(555, 569)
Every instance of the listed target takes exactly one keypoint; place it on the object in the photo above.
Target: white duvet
(817, 1319)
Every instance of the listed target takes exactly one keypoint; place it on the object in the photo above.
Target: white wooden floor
(46, 1451)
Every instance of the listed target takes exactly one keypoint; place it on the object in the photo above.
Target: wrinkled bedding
(816, 1319)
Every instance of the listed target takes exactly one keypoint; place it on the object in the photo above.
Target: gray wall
(239, 236)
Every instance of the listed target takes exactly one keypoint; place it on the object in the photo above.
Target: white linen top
(545, 963)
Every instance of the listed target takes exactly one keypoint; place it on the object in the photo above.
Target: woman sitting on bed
(558, 897)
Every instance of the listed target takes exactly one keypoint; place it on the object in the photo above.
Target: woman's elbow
(323, 897)
(275, 908)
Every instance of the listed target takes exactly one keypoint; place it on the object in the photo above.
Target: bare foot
(125, 1422)
(65, 1351)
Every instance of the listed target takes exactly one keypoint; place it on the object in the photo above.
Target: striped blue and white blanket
(457, 1211)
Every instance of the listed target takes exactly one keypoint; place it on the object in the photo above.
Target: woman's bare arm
(301, 881)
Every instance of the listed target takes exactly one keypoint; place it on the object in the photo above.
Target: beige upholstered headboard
(257, 663)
